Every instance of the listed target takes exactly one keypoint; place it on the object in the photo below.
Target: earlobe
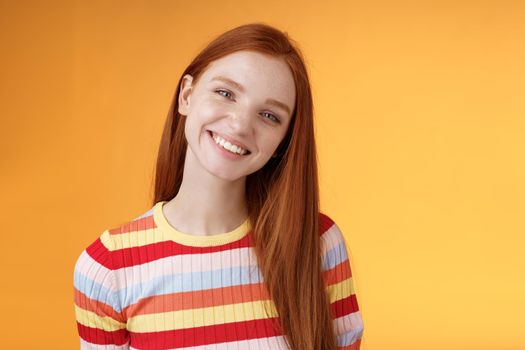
(185, 94)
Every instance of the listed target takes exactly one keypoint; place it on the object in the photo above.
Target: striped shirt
(145, 285)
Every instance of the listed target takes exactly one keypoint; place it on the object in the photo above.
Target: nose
(240, 121)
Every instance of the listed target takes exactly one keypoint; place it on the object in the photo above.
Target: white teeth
(228, 146)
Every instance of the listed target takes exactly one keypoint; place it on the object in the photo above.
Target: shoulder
(94, 266)
(325, 223)
(328, 228)
(93, 276)
(333, 243)
(111, 240)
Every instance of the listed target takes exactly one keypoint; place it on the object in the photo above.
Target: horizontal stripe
(142, 223)
(91, 319)
(334, 249)
(84, 345)
(350, 321)
(96, 291)
(338, 273)
(186, 263)
(354, 346)
(199, 317)
(335, 256)
(266, 343)
(199, 299)
(186, 282)
(137, 288)
(91, 269)
(341, 290)
(101, 309)
(331, 238)
(228, 332)
(344, 306)
(101, 337)
(136, 238)
(148, 243)
(143, 254)
(177, 283)
(325, 222)
(349, 337)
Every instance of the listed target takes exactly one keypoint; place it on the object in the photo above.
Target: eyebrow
(241, 88)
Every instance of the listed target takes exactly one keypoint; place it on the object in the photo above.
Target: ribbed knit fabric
(145, 285)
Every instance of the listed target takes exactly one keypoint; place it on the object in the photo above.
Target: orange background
(420, 121)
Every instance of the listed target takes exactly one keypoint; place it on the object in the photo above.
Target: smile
(226, 147)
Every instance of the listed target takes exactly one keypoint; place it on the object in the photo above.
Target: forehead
(257, 73)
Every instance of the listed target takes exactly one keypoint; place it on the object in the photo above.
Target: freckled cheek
(211, 111)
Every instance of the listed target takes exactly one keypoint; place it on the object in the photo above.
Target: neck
(206, 204)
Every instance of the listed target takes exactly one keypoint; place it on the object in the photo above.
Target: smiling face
(246, 98)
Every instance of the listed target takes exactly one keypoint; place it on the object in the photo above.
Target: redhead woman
(233, 252)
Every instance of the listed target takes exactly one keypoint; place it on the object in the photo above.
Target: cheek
(268, 145)
(207, 111)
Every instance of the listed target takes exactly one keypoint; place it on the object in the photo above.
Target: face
(245, 99)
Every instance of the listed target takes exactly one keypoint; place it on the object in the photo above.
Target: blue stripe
(191, 281)
(349, 337)
(335, 256)
(95, 290)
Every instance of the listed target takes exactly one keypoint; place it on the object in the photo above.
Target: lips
(230, 140)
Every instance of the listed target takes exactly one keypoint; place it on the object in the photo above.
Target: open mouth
(224, 149)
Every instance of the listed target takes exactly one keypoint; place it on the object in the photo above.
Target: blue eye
(226, 91)
(273, 118)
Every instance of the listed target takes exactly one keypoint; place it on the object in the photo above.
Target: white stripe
(93, 270)
(182, 263)
(185, 263)
(331, 238)
(269, 343)
(348, 322)
(84, 345)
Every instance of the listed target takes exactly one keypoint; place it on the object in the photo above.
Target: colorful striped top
(145, 285)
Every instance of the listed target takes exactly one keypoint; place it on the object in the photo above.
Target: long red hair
(282, 196)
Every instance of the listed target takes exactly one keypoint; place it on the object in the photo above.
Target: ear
(185, 94)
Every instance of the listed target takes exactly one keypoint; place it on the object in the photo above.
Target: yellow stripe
(201, 317)
(341, 290)
(91, 319)
(131, 239)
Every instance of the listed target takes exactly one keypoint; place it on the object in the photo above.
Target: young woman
(234, 252)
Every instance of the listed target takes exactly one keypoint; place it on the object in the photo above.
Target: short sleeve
(100, 321)
(337, 273)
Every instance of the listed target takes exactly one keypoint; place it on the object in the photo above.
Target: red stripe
(95, 306)
(344, 306)
(204, 335)
(140, 255)
(196, 299)
(338, 273)
(325, 222)
(100, 253)
(150, 252)
(99, 336)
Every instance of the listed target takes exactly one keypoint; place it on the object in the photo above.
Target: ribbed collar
(197, 240)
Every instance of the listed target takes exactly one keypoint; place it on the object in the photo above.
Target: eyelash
(276, 120)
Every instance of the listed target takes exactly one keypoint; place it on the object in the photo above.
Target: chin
(229, 177)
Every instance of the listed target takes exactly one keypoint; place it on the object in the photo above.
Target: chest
(189, 301)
